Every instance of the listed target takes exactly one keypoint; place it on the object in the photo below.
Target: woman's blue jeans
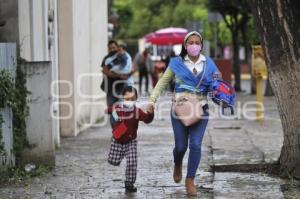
(191, 135)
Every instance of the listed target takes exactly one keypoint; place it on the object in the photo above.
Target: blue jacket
(189, 81)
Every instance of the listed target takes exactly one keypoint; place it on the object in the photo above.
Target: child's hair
(129, 89)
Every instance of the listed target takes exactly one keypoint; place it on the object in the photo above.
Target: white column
(24, 29)
(33, 30)
(98, 45)
(66, 67)
(53, 40)
(82, 45)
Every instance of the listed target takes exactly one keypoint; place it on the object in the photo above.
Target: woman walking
(193, 73)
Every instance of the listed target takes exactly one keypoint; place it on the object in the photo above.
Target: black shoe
(130, 188)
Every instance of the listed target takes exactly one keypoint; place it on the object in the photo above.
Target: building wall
(62, 43)
(26, 24)
(82, 44)
(24, 29)
(33, 30)
(9, 17)
(39, 122)
(38, 47)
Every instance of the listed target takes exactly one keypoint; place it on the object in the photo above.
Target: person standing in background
(109, 78)
(142, 62)
(117, 72)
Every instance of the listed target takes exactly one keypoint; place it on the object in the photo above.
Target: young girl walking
(124, 144)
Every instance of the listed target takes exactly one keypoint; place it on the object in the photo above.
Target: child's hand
(150, 108)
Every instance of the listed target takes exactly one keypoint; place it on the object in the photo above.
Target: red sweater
(131, 119)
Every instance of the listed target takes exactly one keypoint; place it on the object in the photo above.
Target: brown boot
(190, 187)
(177, 174)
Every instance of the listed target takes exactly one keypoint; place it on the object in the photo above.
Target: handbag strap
(204, 68)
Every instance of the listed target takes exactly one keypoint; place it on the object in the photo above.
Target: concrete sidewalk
(246, 142)
(82, 170)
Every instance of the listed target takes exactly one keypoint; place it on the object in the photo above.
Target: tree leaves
(148, 16)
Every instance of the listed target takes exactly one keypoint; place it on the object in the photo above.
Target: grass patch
(18, 175)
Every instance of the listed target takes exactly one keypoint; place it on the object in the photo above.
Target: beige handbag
(188, 108)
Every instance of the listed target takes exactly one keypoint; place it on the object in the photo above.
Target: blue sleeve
(213, 67)
(109, 60)
(123, 65)
(126, 63)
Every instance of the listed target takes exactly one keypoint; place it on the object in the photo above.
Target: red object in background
(224, 66)
(159, 68)
(166, 36)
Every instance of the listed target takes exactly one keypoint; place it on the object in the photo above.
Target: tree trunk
(278, 23)
(269, 91)
(236, 64)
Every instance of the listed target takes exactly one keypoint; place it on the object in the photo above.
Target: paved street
(63, 61)
(82, 170)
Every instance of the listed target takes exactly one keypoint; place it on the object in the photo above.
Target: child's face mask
(129, 99)
(129, 104)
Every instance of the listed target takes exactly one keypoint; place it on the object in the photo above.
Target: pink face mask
(193, 50)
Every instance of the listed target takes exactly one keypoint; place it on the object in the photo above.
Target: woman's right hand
(150, 107)
(217, 76)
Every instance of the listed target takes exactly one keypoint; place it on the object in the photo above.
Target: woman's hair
(130, 89)
(183, 52)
